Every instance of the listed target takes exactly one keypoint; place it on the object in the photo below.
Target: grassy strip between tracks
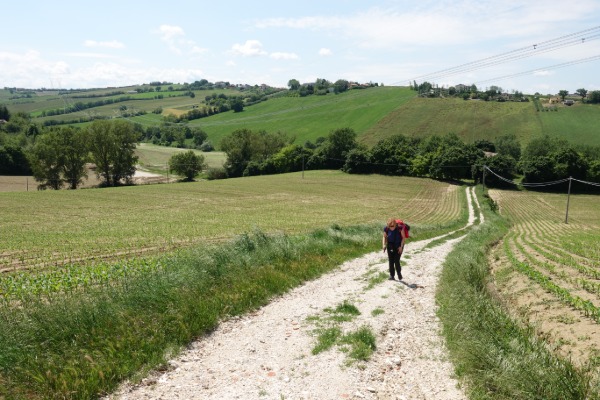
(83, 343)
(495, 357)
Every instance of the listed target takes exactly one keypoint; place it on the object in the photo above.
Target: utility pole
(483, 187)
(568, 198)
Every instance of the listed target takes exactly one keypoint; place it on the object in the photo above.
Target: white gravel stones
(267, 354)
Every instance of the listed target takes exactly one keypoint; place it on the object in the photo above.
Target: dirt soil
(268, 354)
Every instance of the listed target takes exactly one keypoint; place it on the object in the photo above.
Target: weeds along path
(268, 354)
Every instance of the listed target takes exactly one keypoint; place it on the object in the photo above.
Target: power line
(539, 184)
(577, 38)
(569, 63)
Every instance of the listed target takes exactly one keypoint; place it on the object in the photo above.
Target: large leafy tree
(13, 160)
(509, 145)
(112, 146)
(582, 92)
(594, 97)
(341, 85)
(244, 146)
(563, 94)
(332, 152)
(454, 162)
(569, 162)
(291, 158)
(4, 113)
(47, 161)
(358, 161)
(393, 155)
(294, 84)
(73, 143)
(187, 164)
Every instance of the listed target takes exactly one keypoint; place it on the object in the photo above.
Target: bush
(187, 164)
(216, 173)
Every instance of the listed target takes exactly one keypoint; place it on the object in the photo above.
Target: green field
(374, 113)
(548, 271)
(57, 227)
(156, 158)
(310, 117)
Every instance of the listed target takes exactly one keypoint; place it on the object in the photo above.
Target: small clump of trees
(60, 156)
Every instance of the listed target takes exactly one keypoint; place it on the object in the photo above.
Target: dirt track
(267, 354)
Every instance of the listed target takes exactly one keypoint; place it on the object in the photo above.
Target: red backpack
(404, 226)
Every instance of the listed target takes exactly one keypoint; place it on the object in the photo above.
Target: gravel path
(267, 354)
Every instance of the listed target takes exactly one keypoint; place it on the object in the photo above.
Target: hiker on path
(393, 242)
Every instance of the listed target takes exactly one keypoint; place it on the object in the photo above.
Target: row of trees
(60, 155)
(170, 134)
(323, 86)
(441, 157)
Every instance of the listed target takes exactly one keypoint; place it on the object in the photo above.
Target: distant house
(462, 88)
(554, 100)
(3, 121)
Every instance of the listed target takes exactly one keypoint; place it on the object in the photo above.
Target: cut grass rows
(64, 227)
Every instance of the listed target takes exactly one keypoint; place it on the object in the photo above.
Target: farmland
(129, 273)
(156, 158)
(548, 271)
(374, 113)
(48, 228)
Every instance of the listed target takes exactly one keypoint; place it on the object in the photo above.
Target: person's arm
(384, 241)
(402, 240)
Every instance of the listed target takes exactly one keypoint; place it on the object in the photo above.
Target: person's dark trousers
(394, 259)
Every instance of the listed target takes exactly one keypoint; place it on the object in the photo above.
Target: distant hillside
(307, 118)
(374, 113)
(473, 120)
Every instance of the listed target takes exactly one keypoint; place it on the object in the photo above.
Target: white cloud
(542, 73)
(284, 56)
(249, 49)
(432, 23)
(170, 32)
(301, 23)
(89, 55)
(325, 52)
(175, 38)
(31, 70)
(198, 50)
(113, 44)
(230, 63)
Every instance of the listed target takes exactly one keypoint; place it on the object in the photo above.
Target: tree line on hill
(439, 157)
(322, 86)
(494, 93)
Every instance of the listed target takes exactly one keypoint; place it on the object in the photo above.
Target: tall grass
(494, 355)
(81, 345)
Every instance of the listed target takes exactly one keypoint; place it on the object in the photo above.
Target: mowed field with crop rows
(53, 228)
(549, 271)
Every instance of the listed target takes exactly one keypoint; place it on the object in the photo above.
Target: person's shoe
(391, 278)
(399, 277)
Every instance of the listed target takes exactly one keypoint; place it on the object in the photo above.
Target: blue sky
(76, 44)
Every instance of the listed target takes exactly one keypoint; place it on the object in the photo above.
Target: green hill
(374, 113)
(307, 118)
